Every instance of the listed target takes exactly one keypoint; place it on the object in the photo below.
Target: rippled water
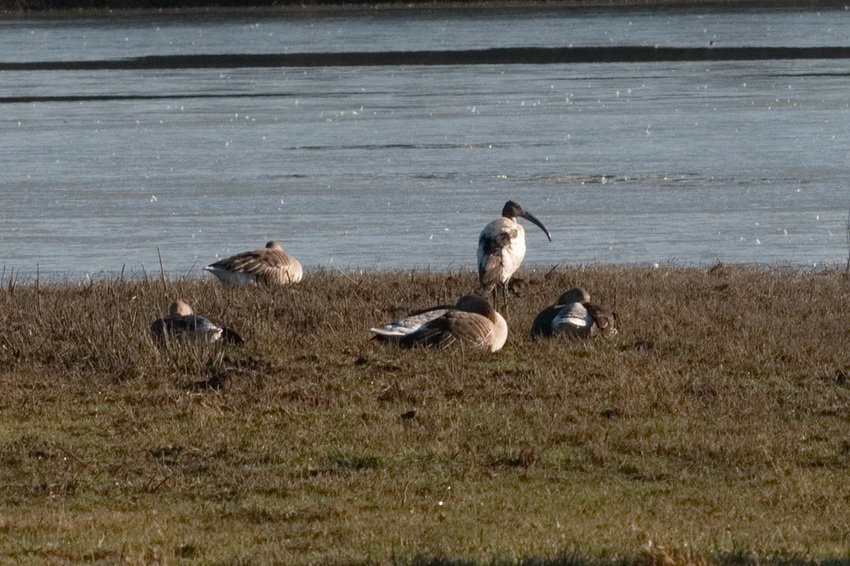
(400, 167)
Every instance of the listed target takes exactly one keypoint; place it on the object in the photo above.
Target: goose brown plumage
(269, 265)
(182, 323)
(573, 315)
(471, 322)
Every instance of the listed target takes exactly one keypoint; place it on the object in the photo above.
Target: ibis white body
(501, 246)
(501, 249)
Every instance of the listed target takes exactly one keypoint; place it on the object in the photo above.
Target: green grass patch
(711, 430)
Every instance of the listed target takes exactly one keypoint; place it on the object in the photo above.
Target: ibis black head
(512, 209)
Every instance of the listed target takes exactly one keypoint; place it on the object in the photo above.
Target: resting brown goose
(270, 265)
(573, 315)
(471, 322)
(182, 323)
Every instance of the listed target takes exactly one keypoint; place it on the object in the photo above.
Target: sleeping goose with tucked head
(270, 265)
(181, 323)
(574, 316)
(471, 322)
(399, 328)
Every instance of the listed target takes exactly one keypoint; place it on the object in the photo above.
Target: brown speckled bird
(270, 265)
(471, 322)
(182, 323)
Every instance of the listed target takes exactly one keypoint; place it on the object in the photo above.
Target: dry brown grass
(712, 429)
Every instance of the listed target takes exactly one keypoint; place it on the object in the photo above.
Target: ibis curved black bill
(531, 218)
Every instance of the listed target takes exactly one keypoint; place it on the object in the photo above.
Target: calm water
(389, 167)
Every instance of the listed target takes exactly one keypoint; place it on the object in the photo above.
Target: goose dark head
(512, 209)
(574, 295)
(476, 303)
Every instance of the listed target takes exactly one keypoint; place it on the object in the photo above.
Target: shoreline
(17, 279)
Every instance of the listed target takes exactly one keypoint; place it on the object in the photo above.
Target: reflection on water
(400, 167)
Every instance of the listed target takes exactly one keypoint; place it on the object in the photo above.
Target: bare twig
(189, 273)
(70, 454)
(38, 285)
(161, 267)
(847, 227)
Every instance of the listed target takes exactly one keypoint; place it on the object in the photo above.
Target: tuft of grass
(711, 430)
(355, 461)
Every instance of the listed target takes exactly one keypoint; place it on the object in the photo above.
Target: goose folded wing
(261, 263)
(571, 317)
(543, 324)
(410, 323)
(471, 328)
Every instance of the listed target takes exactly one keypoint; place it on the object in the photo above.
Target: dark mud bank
(498, 56)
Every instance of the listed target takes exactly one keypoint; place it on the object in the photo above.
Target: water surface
(401, 167)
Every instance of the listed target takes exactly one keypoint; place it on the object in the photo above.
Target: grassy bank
(712, 429)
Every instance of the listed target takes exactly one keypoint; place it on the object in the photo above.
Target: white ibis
(501, 247)
(573, 315)
(182, 323)
(270, 265)
(471, 322)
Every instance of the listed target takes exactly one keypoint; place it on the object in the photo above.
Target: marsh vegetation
(711, 429)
